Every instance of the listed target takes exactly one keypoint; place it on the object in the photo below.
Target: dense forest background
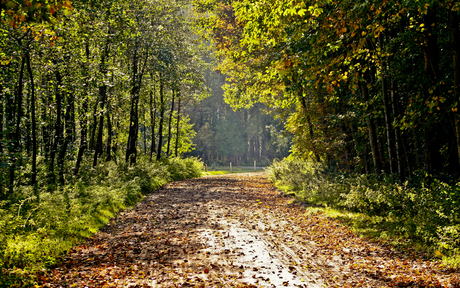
(240, 137)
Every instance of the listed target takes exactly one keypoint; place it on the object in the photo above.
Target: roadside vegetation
(38, 227)
(419, 215)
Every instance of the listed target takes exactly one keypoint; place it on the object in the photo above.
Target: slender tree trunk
(46, 127)
(67, 138)
(388, 118)
(109, 134)
(131, 150)
(98, 149)
(170, 122)
(371, 129)
(83, 117)
(397, 133)
(34, 121)
(152, 121)
(176, 148)
(58, 124)
(83, 134)
(15, 157)
(162, 112)
(144, 130)
(93, 127)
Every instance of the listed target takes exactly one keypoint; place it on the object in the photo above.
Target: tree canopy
(374, 84)
(82, 82)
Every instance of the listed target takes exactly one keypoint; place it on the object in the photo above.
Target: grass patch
(222, 170)
(420, 216)
(37, 227)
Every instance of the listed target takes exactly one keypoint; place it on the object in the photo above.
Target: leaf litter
(235, 231)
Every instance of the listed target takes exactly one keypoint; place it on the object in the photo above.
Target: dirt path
(235, 231)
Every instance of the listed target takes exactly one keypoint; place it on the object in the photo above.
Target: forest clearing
(182, 235)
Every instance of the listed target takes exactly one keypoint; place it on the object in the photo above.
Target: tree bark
(67, 138)
(152, 121)
(98, 149)
(387, 112)
(109, 134)
(371, 128)
(397, 133)
(176, 148)
(162, 112)
(170, 122)
(17, 136)
(58, 123)
(131, 150)
(84, 117)
(34, 121)
(144, 130)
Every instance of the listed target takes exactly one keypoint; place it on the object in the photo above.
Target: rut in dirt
(235, 231)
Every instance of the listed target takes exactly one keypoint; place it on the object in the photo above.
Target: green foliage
(179, 168)
(424, 211)
(37, 230)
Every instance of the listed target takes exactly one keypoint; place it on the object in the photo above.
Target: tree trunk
(397, 133)
(58, 123)
(152, 121)
(170, 122)
(84, 117)
(109, 134)
(98, 149)
(371, 128)
(144, 130)
(15, 150)
(162, 112)
(131, 150)
(83, 134)
(388, 118)
(93, 127)
(34, 122)
(176, 148)
(67, 139)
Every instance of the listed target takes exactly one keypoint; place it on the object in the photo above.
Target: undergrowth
(421, 215)
(36, 227)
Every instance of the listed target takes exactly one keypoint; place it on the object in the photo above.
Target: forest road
(232, 230)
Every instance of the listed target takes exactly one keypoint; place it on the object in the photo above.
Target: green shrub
(423, 208)
(180, 168)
